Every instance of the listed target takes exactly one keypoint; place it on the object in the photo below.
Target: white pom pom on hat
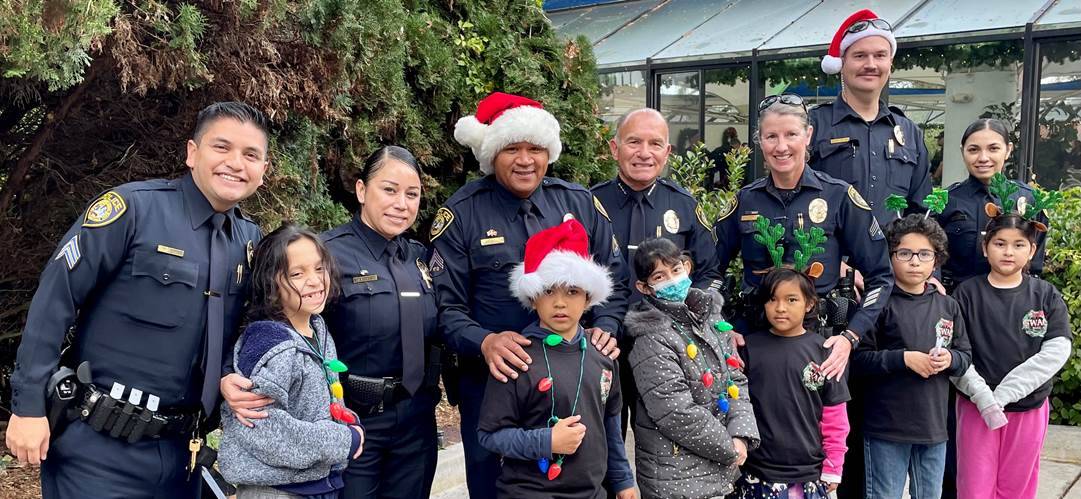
(503, 119)
(842, 39)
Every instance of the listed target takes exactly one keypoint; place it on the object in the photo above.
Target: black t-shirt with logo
(519, 404)
(1007, 326)
(900, 405)
(788, 394)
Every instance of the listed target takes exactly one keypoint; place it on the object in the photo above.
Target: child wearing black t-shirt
(801, 415)
(557, 424)
(918, 342)
(1020, 333)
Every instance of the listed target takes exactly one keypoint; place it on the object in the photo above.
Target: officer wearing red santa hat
(479, 236)
(859, 139)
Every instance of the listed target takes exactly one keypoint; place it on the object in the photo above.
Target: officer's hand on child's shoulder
(604, 342)
(236, 390)
(919, 363)
(504, 354)
(567, 435)
(28, 439)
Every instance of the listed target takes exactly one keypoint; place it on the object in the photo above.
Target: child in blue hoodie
(301, 448)
(557, 425)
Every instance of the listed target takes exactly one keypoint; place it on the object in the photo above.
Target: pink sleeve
(834, 427)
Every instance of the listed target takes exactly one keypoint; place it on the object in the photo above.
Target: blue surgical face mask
(673, 290)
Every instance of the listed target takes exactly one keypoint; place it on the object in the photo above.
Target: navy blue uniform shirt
(364, 319)
(881, 157)
(478, 238)
(964, 221)
(819, 200)
(670, 212)
(130, 276)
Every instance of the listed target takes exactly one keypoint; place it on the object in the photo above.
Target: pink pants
(999, 464)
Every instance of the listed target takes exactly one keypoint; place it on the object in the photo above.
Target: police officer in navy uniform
(798, 197)
(152, 278)
(859, 139)
(985, 145)
(385, 327)
(478, 238)
(644, 206)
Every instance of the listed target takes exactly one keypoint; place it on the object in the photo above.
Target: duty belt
(128, 421)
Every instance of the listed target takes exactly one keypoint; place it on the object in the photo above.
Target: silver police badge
(899, 134)
(671, 221)
(817, 210)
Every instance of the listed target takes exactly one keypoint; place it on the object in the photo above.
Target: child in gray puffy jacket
(303, 445)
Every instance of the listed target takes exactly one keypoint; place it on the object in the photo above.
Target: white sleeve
(973, 385)
(1034, 372)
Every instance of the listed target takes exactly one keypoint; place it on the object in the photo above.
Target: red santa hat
(503, 119)
(831, 63)
(560, 256)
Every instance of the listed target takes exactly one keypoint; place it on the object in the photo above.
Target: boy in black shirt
(557, 425)
(918, 343)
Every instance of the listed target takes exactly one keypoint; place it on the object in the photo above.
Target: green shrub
(1062, 268)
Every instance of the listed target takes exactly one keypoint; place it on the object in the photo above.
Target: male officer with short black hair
(152, 278)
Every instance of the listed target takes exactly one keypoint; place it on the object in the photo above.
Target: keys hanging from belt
(194, 445)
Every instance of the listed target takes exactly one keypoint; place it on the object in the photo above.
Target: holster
(62, 394)
(450, 371)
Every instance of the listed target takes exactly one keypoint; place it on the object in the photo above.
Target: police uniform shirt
(364, 319)
(818, 201)
(904, 406)
(478, 238)
(131, 276)
(1008, 326)
(964, 220)
(881, 157)
(670, 212)
(788, 396)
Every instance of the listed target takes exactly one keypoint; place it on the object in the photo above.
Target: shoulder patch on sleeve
(702, 217)
(600, 208)
(729, 209)
(857, 200)
(105, 210)
(443, 219)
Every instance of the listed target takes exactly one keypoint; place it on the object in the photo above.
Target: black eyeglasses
(785, 98)
(862, 25)
(904, 255)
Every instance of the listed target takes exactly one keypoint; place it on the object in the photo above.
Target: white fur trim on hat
(851, 38)
(562, 268)
(520, 124)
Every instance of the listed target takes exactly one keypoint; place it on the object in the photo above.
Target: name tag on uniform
(491, 240)
(360, 279)
(839, 140)
(750, 217)
(170, 251)
(409, 294)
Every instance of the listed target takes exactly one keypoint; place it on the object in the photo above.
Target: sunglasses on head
(785, 98)
(862, 25)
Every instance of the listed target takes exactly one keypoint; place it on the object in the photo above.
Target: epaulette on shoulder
(259, 338)
(468, 190)
(671, 184)
(821, 105)
(336, 232)
(606, 183)
(758, 182)
(829, 179)
(558, 182)
(896, 110)
(954, 185)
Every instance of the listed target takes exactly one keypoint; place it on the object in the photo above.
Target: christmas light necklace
(707, 376)
(547, 384)
(337, 393)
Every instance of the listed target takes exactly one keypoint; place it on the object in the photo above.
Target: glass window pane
(958, 16)
(742, 25)
(1061, 13)
(679, 103)
(727, 90)
(1058, 148)
(654, 31)
(597, 22)
(819, 25)
(944, 89)
(621, 92)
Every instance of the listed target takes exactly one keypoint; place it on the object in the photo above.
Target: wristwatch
(852, 338)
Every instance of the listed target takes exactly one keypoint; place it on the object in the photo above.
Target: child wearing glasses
(919, 342)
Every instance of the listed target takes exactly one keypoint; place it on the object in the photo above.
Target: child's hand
(994, 417)
(627, 494)
(832, 487)
(941, 359)
(360, 448)
(567, 435)
(741, 451)
(919, 363)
